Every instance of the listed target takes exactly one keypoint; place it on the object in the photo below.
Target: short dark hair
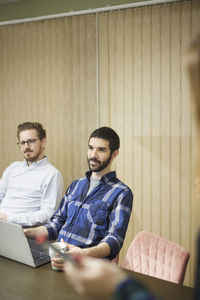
(108, 134)
(41, 132)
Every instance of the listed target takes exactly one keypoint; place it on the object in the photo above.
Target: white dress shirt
(29, 194)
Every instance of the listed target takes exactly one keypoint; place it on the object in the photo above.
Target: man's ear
(43, 141)
(115, 153)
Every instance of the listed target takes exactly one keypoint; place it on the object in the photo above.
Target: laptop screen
(14, 245)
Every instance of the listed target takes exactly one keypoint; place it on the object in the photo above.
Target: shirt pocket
(98, 212)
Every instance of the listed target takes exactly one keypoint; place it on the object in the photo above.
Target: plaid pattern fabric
(87, 220)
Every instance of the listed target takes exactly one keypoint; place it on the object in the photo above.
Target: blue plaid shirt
(101, 216)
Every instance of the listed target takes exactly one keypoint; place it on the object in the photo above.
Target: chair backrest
(153, 255)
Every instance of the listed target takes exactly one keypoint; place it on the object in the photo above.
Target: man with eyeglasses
(30, 189)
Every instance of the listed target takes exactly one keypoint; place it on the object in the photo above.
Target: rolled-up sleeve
(118, 222)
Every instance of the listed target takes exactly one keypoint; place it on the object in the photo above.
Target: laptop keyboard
(38, 256)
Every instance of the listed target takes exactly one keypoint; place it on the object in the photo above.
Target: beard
(30, 157)
(102, 165)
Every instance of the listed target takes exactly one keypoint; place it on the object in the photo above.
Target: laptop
(14, 245)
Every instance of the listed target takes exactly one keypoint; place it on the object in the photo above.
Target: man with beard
(94, 213)
(30, 189)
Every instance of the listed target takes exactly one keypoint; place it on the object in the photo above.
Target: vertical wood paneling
(175, 123)
(128, 107)
(137, 215)
(186, 159)
(147, 48)
(128, 95)
(165, 121)
(147, 117)
(104, 69)
(118, 101)
(156, 119)
(49, 71)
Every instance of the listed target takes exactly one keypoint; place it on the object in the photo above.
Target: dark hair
(41, 132)
(108, 134)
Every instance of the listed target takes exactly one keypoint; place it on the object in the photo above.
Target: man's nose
(26, 145)
(94, 153)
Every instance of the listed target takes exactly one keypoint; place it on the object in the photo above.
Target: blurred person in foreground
(193, 65)
(101, 280)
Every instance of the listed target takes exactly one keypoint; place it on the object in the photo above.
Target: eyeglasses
(29, 142)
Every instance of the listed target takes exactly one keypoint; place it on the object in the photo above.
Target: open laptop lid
(14, 244)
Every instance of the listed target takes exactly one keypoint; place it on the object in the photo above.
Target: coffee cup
(53, 253)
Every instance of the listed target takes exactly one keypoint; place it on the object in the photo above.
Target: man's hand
(95, 278)
(71, 249)
(36, 232)
(102, 250)
(3, 217)
(74, 250)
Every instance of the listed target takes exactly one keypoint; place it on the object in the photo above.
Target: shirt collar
(105, 178)
(35, 164)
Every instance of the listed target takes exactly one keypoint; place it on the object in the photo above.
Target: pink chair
(153, 255)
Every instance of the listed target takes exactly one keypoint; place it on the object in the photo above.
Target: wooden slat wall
(144, 95)
(48, 74)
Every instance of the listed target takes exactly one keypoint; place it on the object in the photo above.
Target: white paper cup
(53, 253)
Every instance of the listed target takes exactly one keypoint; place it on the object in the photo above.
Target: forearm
(102, 250)
(36, 232)
(31, 218)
